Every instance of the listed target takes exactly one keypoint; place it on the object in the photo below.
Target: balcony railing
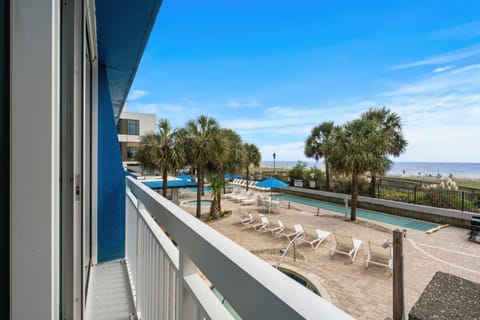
(166, 279)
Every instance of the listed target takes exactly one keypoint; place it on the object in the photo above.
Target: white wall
(35, 174)
(148, 124)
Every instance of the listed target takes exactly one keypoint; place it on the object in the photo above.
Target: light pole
(274, 156)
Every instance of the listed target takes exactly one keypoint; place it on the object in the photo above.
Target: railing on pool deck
(165, 278)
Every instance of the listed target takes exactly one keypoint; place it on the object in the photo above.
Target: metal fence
(434, 197)
(467, 200)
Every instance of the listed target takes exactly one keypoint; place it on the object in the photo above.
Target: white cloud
(443, 58)
(442, 69)
(136, 94)
(157, 108)
(234, 103)
(292, 151)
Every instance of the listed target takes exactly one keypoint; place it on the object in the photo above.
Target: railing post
(398, 290)
(187, 305)
(415, 195)
(463, 200)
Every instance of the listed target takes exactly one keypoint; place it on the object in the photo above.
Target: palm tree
(231, 159)
(202, 141)
(163, 150)
(252, 157)
(317, 145)
(356, 149)
(146, 154)
(389, 125)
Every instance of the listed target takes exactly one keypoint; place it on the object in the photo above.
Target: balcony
(173, 260)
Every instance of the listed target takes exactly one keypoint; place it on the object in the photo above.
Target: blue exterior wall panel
(111, 179)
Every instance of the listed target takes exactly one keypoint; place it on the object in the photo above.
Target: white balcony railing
(165, 278)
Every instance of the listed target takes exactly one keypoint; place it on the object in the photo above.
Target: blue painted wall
(111, 179)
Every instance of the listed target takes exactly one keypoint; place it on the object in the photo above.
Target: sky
(272, 70)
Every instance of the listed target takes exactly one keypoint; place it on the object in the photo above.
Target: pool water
(205, 189)
(193, 203)
(366, 214)
(300, 279)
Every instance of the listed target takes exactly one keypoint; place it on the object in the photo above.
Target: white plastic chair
(380, 255)
(346, 245)
(321, 236)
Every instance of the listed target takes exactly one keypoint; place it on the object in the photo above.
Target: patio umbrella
(228, 176)
(236, 176)
(271, 183)
(184, 176)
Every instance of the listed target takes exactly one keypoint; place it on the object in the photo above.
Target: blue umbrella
(271, 183)
(228, 176)
(184, 176)
(236, 176)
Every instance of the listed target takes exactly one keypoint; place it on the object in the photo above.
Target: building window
(133, 127)
(131, 152)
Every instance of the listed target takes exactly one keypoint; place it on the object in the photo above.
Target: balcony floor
(110, 297)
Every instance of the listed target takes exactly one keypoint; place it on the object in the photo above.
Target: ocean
(411, 169)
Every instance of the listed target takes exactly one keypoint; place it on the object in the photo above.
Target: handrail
(286, 249)
(230, 268)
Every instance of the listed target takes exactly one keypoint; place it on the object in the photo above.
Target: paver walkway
(363, 293)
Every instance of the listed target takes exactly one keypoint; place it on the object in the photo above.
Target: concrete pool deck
(363, 293)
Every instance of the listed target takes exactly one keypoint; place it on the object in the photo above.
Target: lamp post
(274, 156)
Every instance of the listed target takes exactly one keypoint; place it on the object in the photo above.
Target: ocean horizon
(464, 170)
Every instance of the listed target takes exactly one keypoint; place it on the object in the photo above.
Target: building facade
(130, 127)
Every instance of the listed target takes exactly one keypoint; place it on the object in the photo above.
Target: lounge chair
(247, 220)
(262, 225)
(315, 243)
(235, 192)
(239, 195)
(379, 255)
(276, 230)
(250, 200)
(243, 196)
(346, 245)
(298, 233)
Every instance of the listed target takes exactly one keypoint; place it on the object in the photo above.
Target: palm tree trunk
(199, 193)
(164, 182)
(219, 197)
(373, 183)
(214, 207)
(353, 215)
(248, 176)
(327, 175)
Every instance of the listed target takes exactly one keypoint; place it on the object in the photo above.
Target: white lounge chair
(235, 192)
(262, 225)
(298, 233)
(321, 236)
(380, 255)
(248, 201)
(239, 195)
(243, 196)
(346, 245)
(276, 230)
(247, 220)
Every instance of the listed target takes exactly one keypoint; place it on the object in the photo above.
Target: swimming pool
(205, 189)
(366, 214)
(193, 203)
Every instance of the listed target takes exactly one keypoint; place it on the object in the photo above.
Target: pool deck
(363, 293)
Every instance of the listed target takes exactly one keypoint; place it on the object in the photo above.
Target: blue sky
(271, 70)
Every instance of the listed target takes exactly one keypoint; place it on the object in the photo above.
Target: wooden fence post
(398, 289)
